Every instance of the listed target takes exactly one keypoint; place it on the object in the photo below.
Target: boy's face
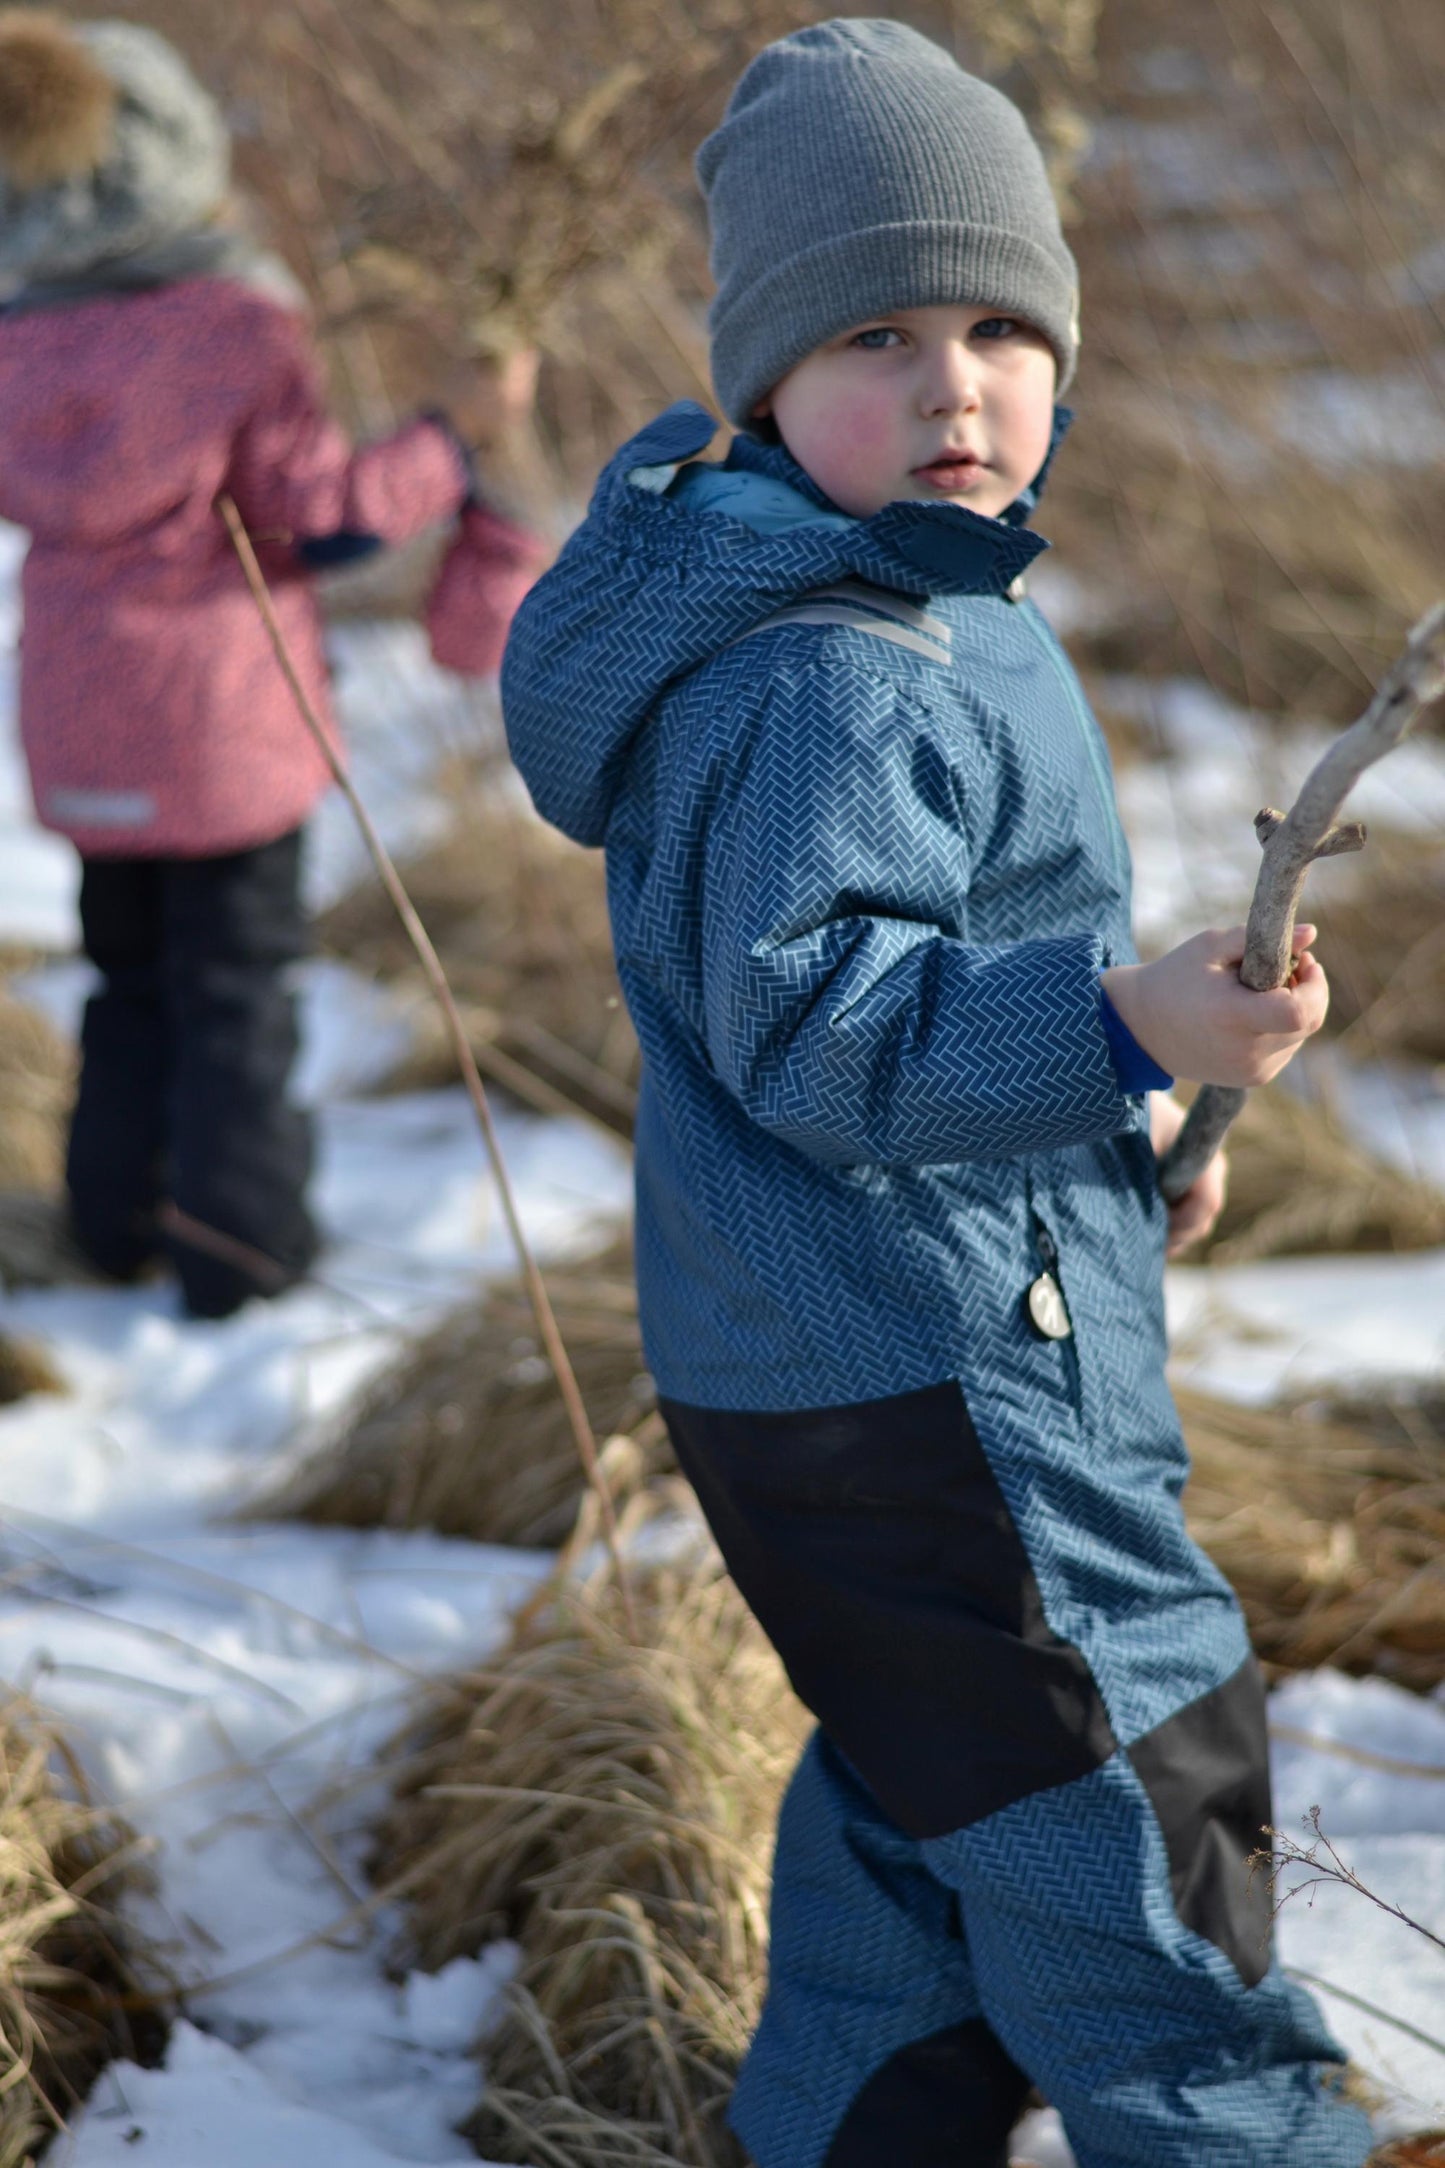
(953, 405)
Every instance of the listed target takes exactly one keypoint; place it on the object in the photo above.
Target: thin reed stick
(431, 964)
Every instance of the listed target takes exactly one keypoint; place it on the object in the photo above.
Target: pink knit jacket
(155, 719)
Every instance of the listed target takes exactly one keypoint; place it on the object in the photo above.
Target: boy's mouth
(952, 469)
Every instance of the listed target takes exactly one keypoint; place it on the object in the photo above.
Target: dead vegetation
(519, 918)
(1328, 1523)
(1427, 2150)
(69, 1972)
(1384, 943)
(1254, 483)
(1299, 1184)
(609, 1803)
(1261, 207)
(468, 1432)
(37, 1083)
(37, 1077)
(25, 1369)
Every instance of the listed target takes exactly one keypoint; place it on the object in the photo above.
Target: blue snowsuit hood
(611, 630)
(864, 869)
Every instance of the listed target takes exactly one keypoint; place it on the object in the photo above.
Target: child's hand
(1190, 1012)
(1192, 1216)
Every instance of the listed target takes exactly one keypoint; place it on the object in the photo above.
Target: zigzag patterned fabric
(864, 869)
(1051, 1922)
(861, 898)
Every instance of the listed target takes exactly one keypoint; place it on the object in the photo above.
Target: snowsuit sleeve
(296, 477)
(844, 1005)
(486, 572)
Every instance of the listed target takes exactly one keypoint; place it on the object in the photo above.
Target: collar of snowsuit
(914, 547)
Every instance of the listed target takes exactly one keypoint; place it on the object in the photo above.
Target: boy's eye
(875, 337)
(995, 327)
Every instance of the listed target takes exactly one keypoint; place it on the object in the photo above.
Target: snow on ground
(234, 1684)
(1290, 1325)
(1382, 1803)
(1397, 1108)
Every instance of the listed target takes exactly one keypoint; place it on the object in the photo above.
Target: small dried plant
(1316, 1863)
(609, 1800)
(69, 1971)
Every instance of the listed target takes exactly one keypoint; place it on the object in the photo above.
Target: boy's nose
(951, 385)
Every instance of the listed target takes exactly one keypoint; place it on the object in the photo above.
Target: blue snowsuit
(864, 869)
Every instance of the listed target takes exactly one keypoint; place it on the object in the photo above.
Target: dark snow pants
(186, 1049)
(977, 1887)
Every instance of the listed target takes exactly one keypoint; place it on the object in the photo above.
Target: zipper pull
(1048, 1312)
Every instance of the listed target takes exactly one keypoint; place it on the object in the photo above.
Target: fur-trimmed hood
(109, 147)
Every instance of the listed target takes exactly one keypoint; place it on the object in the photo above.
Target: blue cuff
(328, 552)
(1136, 1070)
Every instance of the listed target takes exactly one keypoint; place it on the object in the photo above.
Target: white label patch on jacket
(101, 808)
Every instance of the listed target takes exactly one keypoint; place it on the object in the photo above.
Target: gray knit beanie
(858, 169)
(109, 147)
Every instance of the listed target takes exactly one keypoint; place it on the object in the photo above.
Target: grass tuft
(74, 1985)
(611, 1805)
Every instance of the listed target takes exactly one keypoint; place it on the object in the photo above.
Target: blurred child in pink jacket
(151, 358)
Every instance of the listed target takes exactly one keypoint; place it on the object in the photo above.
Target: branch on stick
(1292, 842)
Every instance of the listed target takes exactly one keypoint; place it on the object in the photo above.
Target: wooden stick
(1292, 842)
(436, 977)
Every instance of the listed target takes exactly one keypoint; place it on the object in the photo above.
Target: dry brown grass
(1300, 1184)
(1383, 942)
(1330, 1525)
(24, 1369)
(37, 1084)
(519, 918)
(37, 1079)
(1427, 2150)
(610, 1804)
(1261, 317)
(68, 1969)
(468, 1434)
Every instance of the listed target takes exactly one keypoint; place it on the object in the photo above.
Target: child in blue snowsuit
(899, 1234)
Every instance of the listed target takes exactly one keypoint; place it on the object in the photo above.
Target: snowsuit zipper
(1092, 747)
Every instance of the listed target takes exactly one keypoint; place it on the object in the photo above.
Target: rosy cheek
(850, 446)
(1027, 417)
(870, 420)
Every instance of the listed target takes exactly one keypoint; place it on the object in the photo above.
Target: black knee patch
(937, 2103)
(1206, 1770)
(877, 1550)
